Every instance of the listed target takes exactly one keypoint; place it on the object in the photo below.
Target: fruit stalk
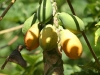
(90, 48)
(53, 64)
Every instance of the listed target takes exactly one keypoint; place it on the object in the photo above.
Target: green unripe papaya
(44, 11)
(48, 38)
(28, 23)
(71, 22)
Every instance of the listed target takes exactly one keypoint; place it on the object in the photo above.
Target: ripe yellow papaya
(48, 38)
(70, 44)
(71, 22)
(31, 38)
(45, 11)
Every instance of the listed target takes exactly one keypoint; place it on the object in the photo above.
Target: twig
(4, 64)
(71, 7)
(90, 48)
(10, 42)
(11, 29)
(6, 10)
(13, 40)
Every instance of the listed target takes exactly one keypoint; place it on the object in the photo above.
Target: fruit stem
(93, 53)
(90, 48)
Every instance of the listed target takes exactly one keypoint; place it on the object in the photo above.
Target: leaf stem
(90, 48)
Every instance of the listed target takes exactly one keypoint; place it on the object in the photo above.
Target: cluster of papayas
(69, 42)
(31, 28)
(47, 37)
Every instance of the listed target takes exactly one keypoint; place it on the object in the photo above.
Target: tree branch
(11, 29)
(53, 63)
(6, 10)
(71, 7)
(14, 38)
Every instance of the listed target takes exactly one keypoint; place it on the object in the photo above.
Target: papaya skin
(45, 11)
(48, 38)
(71, 22)
(70, 44)
(31, 38)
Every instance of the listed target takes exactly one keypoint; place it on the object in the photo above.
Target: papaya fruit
(70, 44)
(48, 38)
(31, 38)
(44, 11)
(28, 23)
(71, 22)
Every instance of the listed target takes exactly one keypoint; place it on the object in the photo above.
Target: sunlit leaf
(98, 24)
(97, 34)
(27, 24)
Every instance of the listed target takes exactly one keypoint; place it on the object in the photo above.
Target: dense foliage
(87, 10)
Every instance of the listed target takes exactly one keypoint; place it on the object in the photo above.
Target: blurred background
(87, 10)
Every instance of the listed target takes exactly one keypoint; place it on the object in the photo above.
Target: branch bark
(11, 29)
(6, 10)
(53, 64)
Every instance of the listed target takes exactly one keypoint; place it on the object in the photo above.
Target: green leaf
(98, 24)
(33, 62)
(33, 59)
(2, 1)
(97, 34)
(68, 69)
(27, 24)
(92, 66)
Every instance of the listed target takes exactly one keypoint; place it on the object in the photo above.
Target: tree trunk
(53, 64)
